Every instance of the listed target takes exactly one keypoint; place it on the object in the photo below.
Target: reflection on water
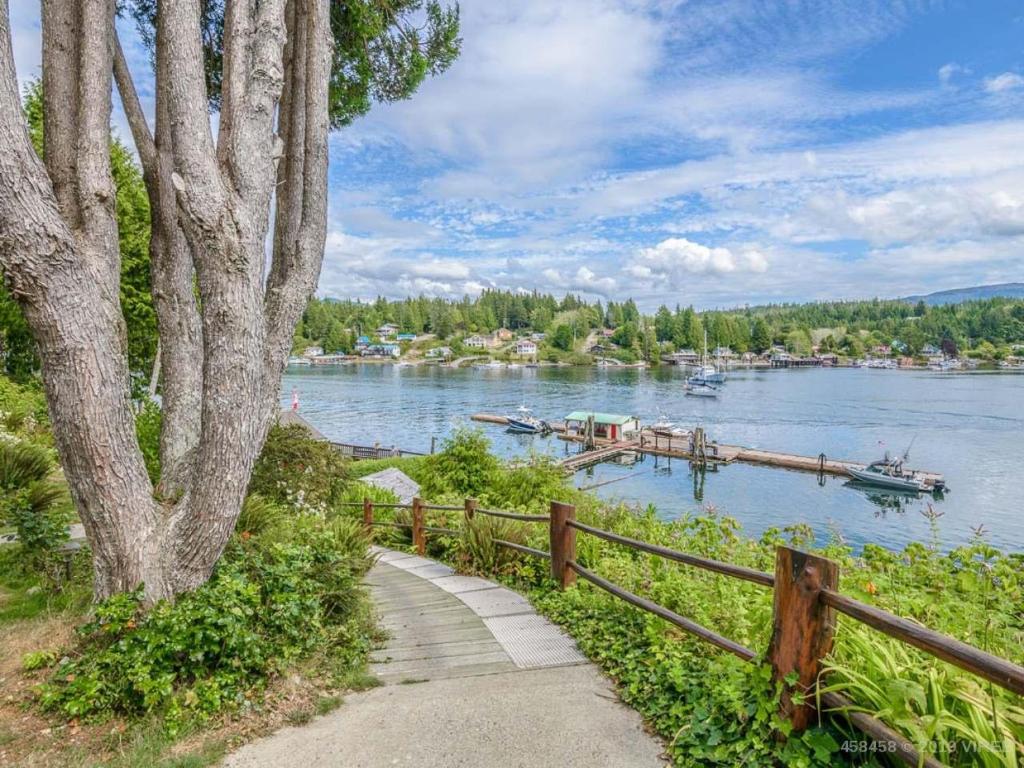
(969, 427)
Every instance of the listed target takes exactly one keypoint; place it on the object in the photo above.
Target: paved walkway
(473, 678)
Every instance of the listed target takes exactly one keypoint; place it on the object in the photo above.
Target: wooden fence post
(802, 629)
(470, 507)
(368, 515)
(563, 543)
(419, 536)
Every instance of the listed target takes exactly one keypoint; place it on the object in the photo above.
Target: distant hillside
(957, 295)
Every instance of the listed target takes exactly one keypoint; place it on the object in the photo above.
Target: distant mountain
(958, 295)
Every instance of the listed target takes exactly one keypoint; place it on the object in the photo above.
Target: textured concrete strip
(413, 561)
(432, 571)
(390, 556)
(457, 584)
(567, 717)
(533, 641)
(495, 602)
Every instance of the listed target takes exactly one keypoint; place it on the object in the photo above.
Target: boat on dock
(890, 473)
(525, 423)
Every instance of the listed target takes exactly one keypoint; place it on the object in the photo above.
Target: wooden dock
(585, 459)
(679, 447)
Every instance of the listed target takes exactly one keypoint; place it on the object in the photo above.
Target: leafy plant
(299, 472)
(263, 608)
(22, 463)
(479, 551)
(465, 466)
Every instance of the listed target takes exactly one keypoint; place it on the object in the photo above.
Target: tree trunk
(221, 354)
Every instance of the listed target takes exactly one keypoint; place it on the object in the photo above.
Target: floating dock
(681, 447)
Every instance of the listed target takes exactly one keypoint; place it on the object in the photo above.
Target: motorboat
(525, 423)
(889, 473)
(700, 389)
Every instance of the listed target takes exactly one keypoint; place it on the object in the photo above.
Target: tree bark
(221, 354)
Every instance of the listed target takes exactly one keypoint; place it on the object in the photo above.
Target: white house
(387, 330)
(526, 348)
(312, 351)
(475, 342)
(724, 352)
(436, 352)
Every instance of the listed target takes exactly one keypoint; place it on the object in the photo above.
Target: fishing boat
(889, 473)
(700, 389)
(525, 423)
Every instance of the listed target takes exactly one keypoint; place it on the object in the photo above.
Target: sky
(714, 153)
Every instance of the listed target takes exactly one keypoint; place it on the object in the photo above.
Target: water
(968, 426)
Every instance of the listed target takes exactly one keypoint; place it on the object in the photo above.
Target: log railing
(805, 603)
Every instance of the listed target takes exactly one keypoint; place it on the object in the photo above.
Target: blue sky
(714, 153)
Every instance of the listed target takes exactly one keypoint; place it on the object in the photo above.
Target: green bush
(263, 608)
(297, 471)
(480, 552)
(22, 463)
(260, 516)
(465, 466)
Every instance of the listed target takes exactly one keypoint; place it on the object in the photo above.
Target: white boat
(525, 423)
(299, 361)
(706, 374)
(889, 473)
(700, 389)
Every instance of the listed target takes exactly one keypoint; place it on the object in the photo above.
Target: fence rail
(805, 604)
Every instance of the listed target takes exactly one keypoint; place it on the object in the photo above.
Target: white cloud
(948, 71)
(1008, 81)
(676, 259)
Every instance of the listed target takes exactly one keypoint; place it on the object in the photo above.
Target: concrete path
(473, 678)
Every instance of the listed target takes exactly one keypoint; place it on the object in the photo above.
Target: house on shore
(405, 337)
(475, 342)
(503, 335)
(439, 353)
(384, 349)
(526, 348)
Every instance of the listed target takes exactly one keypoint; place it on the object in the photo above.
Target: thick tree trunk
(221, 354)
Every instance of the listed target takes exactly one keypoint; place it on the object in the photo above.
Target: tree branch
(61, 38)
(137, 123)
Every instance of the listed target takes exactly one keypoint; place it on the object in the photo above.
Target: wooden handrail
(513, 515)
(682, 622)
(523, 548)
(727, 569)
(994, 669)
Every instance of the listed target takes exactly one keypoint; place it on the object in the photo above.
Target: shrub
(259, 516)
(465, 466)
(480, 552)
(298, 471)
(262, 608)
(22, 463)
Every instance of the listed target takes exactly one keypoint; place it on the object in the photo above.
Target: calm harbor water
(968, 426)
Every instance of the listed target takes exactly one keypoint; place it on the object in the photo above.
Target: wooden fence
(806, 601)
(358, 452)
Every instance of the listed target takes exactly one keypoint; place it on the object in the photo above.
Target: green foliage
(714, 709)
(22, 463)
(263, 608)
(480, 553)
(297, 471)
(23, 410)
(36, 506)
(383, 50)
(260, 516)
(946, 713)
(465, 466)
(148, 422)
(34, 660)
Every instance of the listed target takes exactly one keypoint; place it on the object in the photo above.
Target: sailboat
(706, 374)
